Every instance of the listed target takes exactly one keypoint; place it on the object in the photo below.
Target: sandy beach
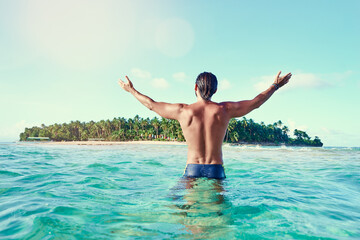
(98, 143)
(113, 143)
(94, 143)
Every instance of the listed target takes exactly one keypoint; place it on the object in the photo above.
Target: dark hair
(207, 84)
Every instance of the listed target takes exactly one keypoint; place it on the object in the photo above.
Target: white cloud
(304, 80)
(139, 73)
(12, 132)
(224, 84)
(338, 137)
(160, 83)
(263, 83)
(179, 76)
(308, 80)
(325, 130)
(293, 125)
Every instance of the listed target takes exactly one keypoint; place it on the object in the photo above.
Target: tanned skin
(204, 122)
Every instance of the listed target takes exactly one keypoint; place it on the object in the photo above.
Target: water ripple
(135, 192)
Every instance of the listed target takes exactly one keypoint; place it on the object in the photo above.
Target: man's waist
(202, 161)
(204, 170)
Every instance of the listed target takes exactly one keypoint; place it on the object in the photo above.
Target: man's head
(206, 83)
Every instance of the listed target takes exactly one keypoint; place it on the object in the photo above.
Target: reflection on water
(202, 207)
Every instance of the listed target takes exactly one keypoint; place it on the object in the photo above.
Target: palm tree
(230, 128)
(155, 123)
(172, 127)
(143, 124)
(130, 123)
(251, 126)
(122, 129)
(164, 126)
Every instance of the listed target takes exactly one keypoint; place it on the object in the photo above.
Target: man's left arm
(166, 110)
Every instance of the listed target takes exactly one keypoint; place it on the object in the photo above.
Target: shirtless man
(204, 122)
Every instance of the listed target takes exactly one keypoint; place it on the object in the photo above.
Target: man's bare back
(204, 122)
(204, 125)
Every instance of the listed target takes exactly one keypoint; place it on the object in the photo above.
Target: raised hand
(126, 86)
(281, 81)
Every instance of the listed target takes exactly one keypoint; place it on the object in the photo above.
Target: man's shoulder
(220, 105)
(210, 105)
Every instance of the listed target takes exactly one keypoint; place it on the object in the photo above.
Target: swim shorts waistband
(204, 170)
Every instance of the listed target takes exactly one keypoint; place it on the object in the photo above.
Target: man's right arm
(241, 108)
(166, 110)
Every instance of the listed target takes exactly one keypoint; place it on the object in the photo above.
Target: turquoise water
(135, 192)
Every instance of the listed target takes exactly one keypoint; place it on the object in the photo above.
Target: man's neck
(201, 100)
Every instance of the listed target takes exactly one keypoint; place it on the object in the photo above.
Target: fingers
(277, 76)
(126, 86)
(120, 82)
(129, 82)
(123, 83)
(288, 76)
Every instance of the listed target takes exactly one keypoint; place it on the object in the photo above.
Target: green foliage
(137, 129)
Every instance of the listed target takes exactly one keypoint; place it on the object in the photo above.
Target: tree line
(134, 129)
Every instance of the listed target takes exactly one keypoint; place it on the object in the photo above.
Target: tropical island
(239, 131)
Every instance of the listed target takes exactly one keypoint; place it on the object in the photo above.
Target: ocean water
(136, 192)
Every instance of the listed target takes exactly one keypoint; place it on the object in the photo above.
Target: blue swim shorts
(205, 170)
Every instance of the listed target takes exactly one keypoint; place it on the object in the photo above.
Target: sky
(60, 60)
